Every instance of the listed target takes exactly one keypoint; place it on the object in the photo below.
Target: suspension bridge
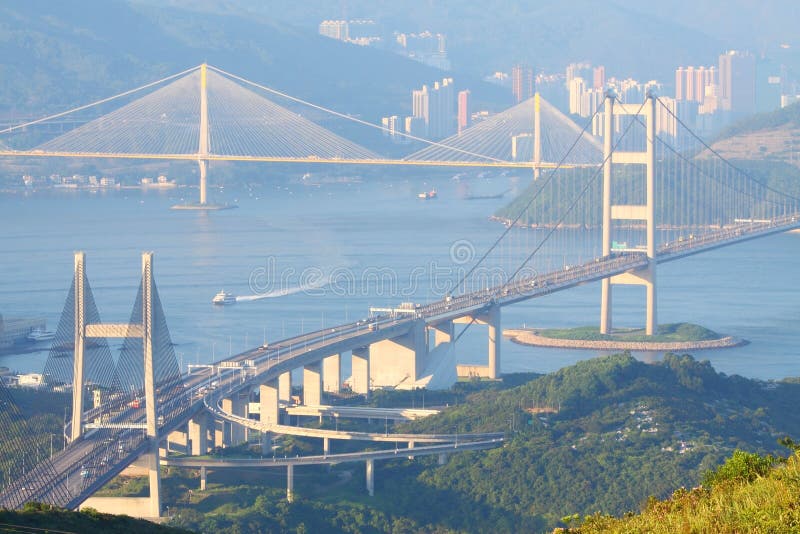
(608, 211)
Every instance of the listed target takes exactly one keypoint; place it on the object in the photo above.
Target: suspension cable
(351, 118)
(535, 196)
(727, 162)
(578, 198)
(98, 102)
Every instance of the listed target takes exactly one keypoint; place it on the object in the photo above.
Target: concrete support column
(331, 373)
(198, 434)
(203, 478)
(606, 324)
(222, 434)
(285, 386)
(268, 399)
(608, 144)
(326, 446)
(150, 400)
(371, 477)
(266, 443)
(443, 333)
(410, 446)
(537, 136)
(442, 458)
(360, 369)
(234, 405)
(495, 336)
(651, 320)
(290, 483)
(77, 373)
(401, 359)
(312, 384)
(202, 147)
(651, 324)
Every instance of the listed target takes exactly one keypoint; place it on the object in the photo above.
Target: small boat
(425, 195)
(223, 298)
(40, 334)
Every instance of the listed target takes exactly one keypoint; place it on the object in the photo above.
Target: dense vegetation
(788, 116)
(748, 493)
(666, 333)
(599, 436)
(42, 517)
(553, 202)
(32, 422)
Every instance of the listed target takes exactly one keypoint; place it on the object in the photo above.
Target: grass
(767, 504)
(667, 333)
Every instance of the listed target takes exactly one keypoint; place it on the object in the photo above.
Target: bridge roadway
(193, 461)
(486, 163)
(47, 484)
(357, 412)
(212, 402)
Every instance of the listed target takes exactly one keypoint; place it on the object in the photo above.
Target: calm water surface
(378, 227)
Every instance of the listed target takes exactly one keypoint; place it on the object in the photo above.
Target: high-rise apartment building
(737, 82)
(599, 78)
(335, 29)
(463, 110)
(576, 89)
(522, 82)
(435, 108)
(691, 83)
(441, 120)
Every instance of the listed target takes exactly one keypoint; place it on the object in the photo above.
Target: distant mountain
(772, 137)
(54, 56)
(488, 35)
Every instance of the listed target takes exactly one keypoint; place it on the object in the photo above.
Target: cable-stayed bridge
(205, 114)
(610, 212)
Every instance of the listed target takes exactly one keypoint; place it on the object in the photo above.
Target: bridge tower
(202, 149)
(143, 330)
(537, 135)
(647, 275)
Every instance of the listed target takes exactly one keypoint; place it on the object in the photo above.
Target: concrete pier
(312, 384)
(290, 483)
(332, 373)
(401, 359)
(268, 400)
(371, 477)
(285, 386)
(198, 435)
(360, 370)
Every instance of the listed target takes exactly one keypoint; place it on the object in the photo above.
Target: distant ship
(486, 197)
(425, 195)
(40, 334)
(223, 299)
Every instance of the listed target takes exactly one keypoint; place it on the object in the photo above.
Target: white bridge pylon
(144, 331)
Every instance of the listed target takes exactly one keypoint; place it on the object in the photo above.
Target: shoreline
(530, 337)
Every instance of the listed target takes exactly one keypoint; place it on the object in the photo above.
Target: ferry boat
(223, 299)
(425, 195)
(40, 334)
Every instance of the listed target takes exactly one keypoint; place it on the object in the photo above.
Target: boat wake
(285, 291)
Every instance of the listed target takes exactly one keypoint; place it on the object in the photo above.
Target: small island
(670, 337)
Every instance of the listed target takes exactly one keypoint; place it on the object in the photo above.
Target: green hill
(749, 493)
(766, 142)
(43, 518)
(599, 436)
(604, 434)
